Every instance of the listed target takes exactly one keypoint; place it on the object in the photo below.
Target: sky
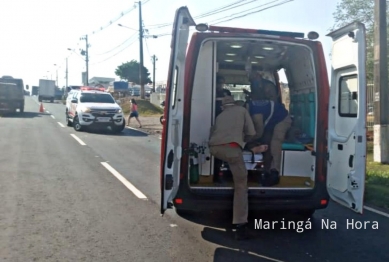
(36, 35)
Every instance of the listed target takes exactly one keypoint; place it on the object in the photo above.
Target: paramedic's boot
(241, 232)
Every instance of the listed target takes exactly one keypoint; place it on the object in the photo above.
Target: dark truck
(35, 90)
(11, 94)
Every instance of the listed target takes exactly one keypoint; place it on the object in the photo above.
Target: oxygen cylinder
(194, 168)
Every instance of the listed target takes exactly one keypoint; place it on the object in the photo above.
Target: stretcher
(251, 160)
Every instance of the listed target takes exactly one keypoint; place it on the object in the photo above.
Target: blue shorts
(134, 114)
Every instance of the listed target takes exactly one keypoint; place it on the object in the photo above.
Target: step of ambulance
(285, 182)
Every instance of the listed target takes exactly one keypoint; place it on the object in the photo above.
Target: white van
(331, 163)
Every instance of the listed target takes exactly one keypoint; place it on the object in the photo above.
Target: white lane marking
(53, 117)
(376, 211)
(59, 123)
(78, 140)
(124, 181)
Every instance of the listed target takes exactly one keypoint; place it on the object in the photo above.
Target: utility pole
(381, 103)
(142, 87)
(56, 75)
(154, 59)
(86, 58)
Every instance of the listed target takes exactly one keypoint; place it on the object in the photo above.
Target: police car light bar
(88, 88)
(223, 29)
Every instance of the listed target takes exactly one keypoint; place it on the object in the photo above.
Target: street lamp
(67, 73)
(127, 27)
(56, 75)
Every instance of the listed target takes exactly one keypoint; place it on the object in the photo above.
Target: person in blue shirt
(272, 118)
(260, 85)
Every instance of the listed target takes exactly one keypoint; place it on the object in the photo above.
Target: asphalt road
(59, 201)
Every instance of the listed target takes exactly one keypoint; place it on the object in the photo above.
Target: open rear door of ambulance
(346, 167)
(174, 109)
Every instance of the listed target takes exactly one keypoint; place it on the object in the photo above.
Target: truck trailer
(46, 90)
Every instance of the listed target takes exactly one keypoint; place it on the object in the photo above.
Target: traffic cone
(41, 108)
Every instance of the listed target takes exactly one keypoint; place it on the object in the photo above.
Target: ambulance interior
(231, 58)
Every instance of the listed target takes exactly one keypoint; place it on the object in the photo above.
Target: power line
(240, 16)
(209, 13)
(167, 24)
(250, 13)
(118, 45)
(147, 47)
(224, 8)
(115, 54)
(114, 20)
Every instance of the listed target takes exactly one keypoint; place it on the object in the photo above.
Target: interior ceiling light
(229, 60)
(268, 48)
(230, 54)
(259, 56)
(254, 62)
(236, 46)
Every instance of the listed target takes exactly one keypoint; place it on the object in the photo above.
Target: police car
(92, 107)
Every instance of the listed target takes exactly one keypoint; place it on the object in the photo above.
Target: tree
(348, 11)
(130, 72)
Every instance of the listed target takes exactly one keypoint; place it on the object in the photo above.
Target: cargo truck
(35, 90)
(46, 90)
(12, 96)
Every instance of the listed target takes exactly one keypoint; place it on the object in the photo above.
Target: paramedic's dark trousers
(234, 157)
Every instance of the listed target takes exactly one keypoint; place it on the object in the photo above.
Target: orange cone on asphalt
(41, 108)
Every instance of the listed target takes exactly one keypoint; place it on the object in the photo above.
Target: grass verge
(377, 181)
(145, 107)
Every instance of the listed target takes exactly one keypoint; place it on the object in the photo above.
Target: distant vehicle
(14, 98)
(120, 86)
(35, 90)
(69, 88)
(46, 90)
(92, 107)
(9, 98)
(58, 94)
(135, 92)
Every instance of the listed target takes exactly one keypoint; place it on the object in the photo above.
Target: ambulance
(328, 159)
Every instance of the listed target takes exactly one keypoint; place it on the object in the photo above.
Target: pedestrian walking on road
(134, 113)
